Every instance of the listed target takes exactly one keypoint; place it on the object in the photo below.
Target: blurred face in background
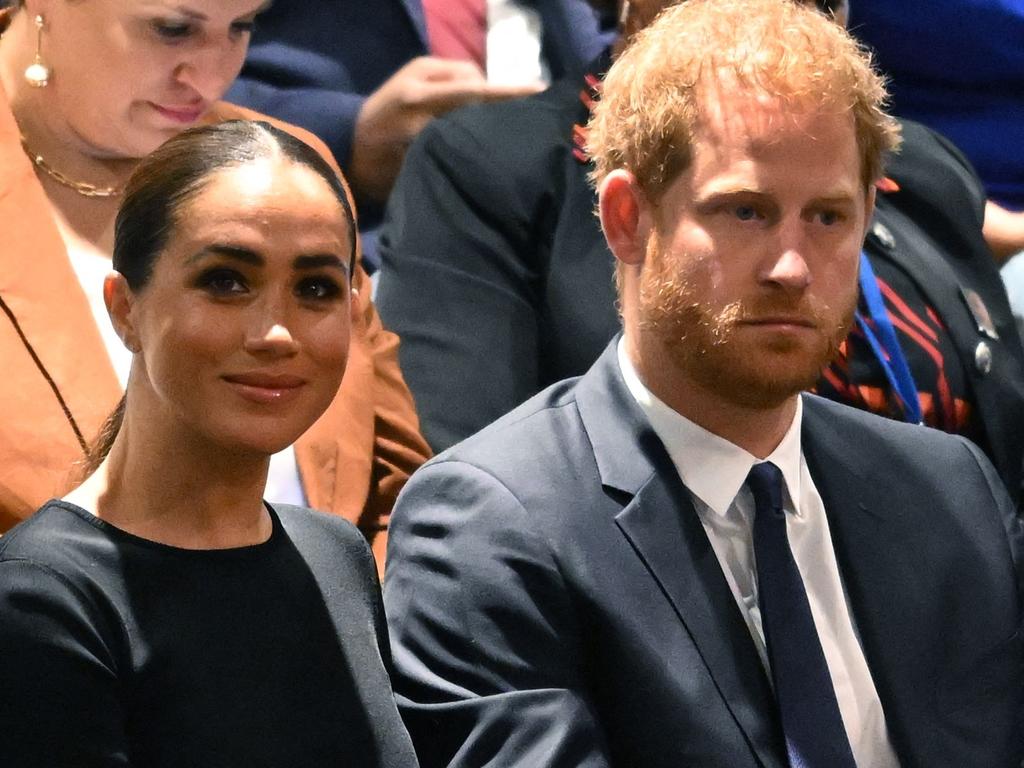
(129, 74)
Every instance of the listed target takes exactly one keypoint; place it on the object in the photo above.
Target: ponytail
(100, 447)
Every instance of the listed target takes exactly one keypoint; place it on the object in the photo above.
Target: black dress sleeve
(60, 698)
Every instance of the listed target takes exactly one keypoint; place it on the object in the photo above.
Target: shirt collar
(713, 468)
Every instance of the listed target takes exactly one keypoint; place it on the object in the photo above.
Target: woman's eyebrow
(230, 251)
(318, 260)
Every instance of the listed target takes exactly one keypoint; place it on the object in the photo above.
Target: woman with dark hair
(87, 88)
(161, 613)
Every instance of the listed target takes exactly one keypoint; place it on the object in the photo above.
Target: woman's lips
(265, 388)
(183, 115)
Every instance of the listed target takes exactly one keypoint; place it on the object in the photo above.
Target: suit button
(983, 362)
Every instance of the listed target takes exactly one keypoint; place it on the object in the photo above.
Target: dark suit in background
(314, 62)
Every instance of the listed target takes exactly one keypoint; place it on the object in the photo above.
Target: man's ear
(120, 300)
(869, 207)
(622, 208)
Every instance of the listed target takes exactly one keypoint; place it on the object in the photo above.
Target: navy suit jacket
(553, 599)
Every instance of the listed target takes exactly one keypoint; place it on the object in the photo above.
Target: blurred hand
(1004, 231)
(393, 114)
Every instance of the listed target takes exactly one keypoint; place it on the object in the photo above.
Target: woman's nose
(210, 70)
(271, 339)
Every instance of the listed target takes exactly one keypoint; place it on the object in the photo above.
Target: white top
(715, 472)
(514, 44)
(283, 482)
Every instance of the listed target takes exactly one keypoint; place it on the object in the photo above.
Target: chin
(255, 440)
(760, 378)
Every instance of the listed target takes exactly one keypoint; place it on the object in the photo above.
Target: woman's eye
(169, 30)
(318, 288)
(223, 282)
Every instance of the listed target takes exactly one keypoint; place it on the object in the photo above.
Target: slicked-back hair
(166, 180)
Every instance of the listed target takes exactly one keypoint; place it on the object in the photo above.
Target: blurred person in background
(958, 67)
(366, 77)
(86, 90)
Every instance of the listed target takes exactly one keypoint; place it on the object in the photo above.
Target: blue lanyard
(894, 364)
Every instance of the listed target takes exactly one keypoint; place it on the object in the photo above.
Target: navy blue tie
(811, 722)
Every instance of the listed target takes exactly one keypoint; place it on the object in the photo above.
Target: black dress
(116, 650)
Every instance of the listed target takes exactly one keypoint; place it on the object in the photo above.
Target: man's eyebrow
(318, 260)
(840, 198)
(235, 252)
(727, 193)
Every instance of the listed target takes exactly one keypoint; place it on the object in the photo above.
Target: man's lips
(180, 114)
(797, 321)
(265, 387)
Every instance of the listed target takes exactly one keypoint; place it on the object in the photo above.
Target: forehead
(272, 181)
(200, 10)
(761, 128)
(271, 195)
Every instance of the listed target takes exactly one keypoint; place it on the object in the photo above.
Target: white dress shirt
(514, 44)
(715, 472)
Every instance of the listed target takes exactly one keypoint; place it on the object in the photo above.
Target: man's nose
(790, 270)
(788, 265)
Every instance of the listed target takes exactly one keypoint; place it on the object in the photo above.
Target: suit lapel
(876, 561)
(662, 526)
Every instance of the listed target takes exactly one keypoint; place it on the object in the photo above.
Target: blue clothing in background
(958, 67)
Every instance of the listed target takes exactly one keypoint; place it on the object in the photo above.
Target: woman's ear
(120, 301)
(621, 206)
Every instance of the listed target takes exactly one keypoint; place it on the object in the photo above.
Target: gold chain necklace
(81, 187)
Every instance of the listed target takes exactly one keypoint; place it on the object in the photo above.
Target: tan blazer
(57, 385)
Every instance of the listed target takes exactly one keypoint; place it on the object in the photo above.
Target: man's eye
(828, 218)
(318, 288)
(746, 212)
